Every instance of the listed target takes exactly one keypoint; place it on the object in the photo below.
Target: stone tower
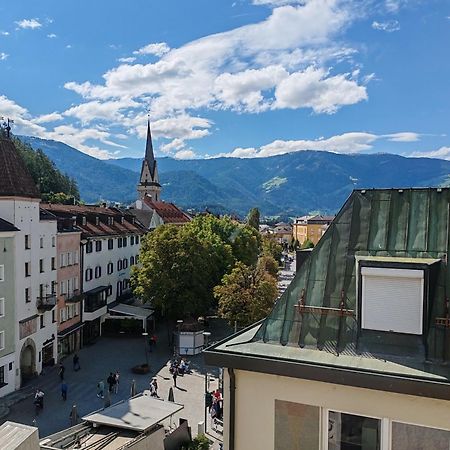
(149, 181)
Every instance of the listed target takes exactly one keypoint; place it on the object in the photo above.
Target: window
(27, 295)
(110, 244)
(83, 220)
(42, 321)
(69, 312)
(98, 246)
(119, 264)
(2, 340)
(69, 258)
(88, 275)
(131, 260)
(27, 269)
(10, 366)
(54, 284)
(2, 307)
(41, 265)
(62, 288)
(75, 257)
(53, 241)
(41, 242)
(110, 268)
(62, 260)
(125, 241)
(392, 299)
(62, 315)
(53, 316)
(53, 263)
(131, 240)
(27, 242)
(109, 292)
(412, 437)
(89, 247)
(2, 375)
(2, 272)
(353, 432)
(137, 239)
(119, 242)
(75, 283)
(98, 272)
(125, 263)
(97, 221)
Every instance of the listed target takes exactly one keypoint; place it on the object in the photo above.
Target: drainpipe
(232, 418)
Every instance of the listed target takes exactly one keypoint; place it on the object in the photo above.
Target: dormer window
(392, 299)
(122, 220)
(83, 220)
(97, 220)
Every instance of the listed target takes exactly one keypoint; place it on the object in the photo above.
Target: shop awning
(129, 310)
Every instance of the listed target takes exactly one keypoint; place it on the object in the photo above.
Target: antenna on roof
(7, 125)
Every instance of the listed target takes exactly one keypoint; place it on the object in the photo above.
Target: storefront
(91, 331)
(69, 340)
(48, 358)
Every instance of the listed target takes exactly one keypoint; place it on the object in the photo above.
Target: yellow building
(356, 352)
(310, 228)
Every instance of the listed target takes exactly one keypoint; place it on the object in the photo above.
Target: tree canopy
(253, 218)
(246, 295)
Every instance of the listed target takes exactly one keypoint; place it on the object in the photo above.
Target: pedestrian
(154, 387)
(116, 386)
(174, 375)
(101, 389)
(76, 363)
(61, 371)
(64, 389)
(111, 380)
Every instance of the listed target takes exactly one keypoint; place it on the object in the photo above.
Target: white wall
(255, 405)
(24, 214)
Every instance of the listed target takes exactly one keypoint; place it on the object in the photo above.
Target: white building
(34, 266)
(110, 243)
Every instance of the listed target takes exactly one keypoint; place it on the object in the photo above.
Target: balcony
(73, 297)
(46, 302)
(95, 299)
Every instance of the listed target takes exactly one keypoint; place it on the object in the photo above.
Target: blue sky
(242, 78)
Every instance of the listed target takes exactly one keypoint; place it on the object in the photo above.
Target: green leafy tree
(246, 295)
(271, 247)
(269, 265)
(307, 244)
(253, 218)
(246, 243)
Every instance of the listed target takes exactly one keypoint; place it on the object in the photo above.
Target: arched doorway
(27, 361)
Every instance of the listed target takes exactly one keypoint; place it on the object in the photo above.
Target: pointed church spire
(149, 156)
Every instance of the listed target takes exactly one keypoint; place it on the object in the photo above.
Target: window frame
(2, 306)
(2, 272)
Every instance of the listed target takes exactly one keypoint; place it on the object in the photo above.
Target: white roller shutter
(392, 300)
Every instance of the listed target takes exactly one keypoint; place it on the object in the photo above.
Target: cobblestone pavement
(97, 360)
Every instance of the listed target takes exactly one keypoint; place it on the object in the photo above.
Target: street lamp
(206, 335)
(145, 335)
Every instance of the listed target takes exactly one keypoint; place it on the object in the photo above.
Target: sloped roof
(301, 337)
(15, 180)
(6, 226)
(168, 212)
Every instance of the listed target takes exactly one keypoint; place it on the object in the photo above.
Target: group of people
(113, 384)
(216, 408)
(178, 368)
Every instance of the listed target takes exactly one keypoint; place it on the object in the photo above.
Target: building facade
(7, 307)
(355, 354)
(69, 289)
(310, 228)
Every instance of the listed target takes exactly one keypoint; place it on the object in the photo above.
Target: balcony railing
(73, 297)
(46, 302)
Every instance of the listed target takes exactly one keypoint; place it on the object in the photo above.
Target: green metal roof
(408, 226)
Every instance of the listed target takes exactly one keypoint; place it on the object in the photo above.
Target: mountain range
(285, 185)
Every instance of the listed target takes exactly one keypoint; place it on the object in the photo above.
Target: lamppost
(145, 335)
(206, 335)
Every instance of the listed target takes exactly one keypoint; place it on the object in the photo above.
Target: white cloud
(441, 153)
(4, 33)
(312, 88)
(185, 154)
(277, 2)
(51, 36)
(3, 56)
(130, 59)
(157, 49)
(406, 136)
(69, 46)
(46, 118)
(29, 24)
(388, 26)
(175, 144)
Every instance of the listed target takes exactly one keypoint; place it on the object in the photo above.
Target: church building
(149, 209)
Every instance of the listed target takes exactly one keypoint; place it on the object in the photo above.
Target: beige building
(355, 354)
(310, 228)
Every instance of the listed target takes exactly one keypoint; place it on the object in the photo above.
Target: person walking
(111, 380)
(154, 387)
(174, 375)
(101, 389)
(76, 363)
(116, 385)
(61, 371)
(64, 389)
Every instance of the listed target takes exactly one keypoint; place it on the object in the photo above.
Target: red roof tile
(168, 212)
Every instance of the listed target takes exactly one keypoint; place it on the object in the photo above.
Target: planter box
(141, 369)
